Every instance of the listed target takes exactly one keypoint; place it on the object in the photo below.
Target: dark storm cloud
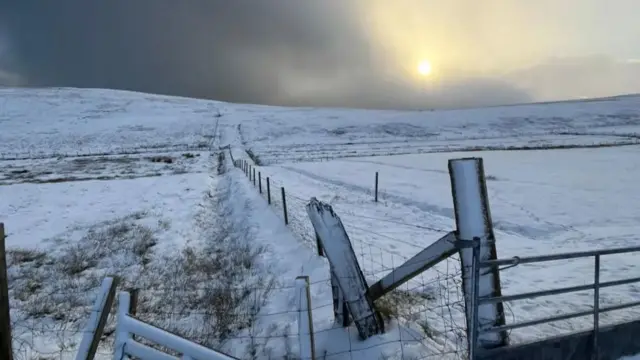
(267, 51)
(209, 48)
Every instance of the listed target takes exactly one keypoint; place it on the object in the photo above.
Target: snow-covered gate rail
(128, 326)
(582, 345)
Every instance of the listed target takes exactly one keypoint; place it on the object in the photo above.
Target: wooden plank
(98, 319)
(425, 259)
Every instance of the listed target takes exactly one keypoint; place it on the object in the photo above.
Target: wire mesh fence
(432, 301)
(249, 324)
(425, 316)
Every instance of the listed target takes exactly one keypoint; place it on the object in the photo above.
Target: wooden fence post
(6, 350)
(98, 319)
(254, 176)
(268, 191)
(345, 270)
(133, 305)
(376, 190)
(473, 220)
(305, 319)
(260, 182)
(284, 207)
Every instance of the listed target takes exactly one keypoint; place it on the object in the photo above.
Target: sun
(424, 68)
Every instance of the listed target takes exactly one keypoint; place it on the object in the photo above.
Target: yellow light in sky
(424, 68)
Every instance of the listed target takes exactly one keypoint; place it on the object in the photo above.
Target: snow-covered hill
(141, 162)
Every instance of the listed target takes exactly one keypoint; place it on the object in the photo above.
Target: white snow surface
(542, 201)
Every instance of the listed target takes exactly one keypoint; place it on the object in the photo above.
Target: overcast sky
(361, 53)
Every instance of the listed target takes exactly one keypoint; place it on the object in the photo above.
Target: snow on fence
(485, 332)
(128, 326)
(354, 298)
(615, 346)
(98, 319)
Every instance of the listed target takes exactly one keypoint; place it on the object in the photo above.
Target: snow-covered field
(156, 206)
(542, 202)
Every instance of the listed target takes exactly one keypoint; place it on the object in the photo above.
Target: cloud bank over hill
(352, 53)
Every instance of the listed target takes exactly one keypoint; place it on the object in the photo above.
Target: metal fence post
(376, 189)
(473, 325)
(305, 319)
(284, 207)
(268, 191)
(596, 307)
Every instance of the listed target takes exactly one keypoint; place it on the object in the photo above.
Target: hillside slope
(79, 164)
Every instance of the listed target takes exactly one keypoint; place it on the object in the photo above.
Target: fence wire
(424, 317)
(432, 301)
(255, 328)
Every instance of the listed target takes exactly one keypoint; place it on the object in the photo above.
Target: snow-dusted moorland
(98, 182)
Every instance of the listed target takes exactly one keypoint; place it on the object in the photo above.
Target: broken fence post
(348, 275)
(473, 220)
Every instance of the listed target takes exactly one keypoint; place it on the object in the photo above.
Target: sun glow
(424, 68)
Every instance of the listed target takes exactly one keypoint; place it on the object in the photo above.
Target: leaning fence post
(268, 191)
(305, 319)
(6, 350)
(473, 219)
(376, 187)
(284, 207)
(346, 273)
(97, 320)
